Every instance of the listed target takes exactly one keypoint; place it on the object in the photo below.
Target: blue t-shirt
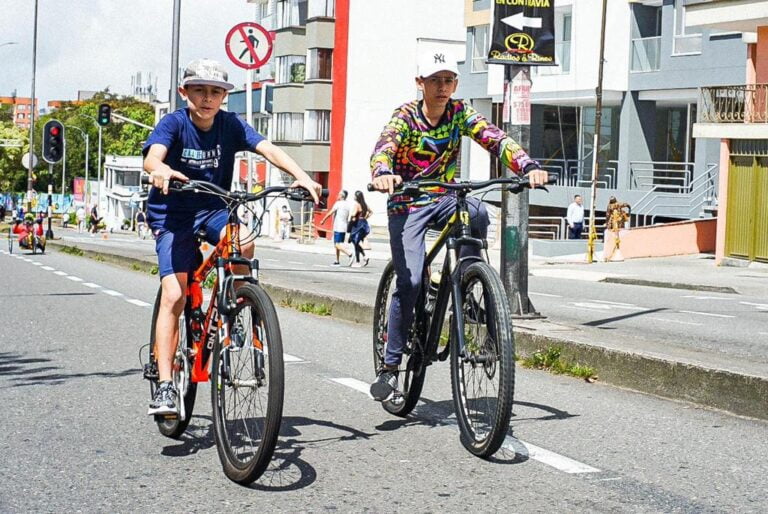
(200, 155)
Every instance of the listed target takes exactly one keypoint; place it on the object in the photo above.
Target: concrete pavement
(737, 385)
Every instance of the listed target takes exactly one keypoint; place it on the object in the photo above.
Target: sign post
(522, 37)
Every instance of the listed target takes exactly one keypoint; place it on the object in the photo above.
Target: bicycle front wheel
(247, 386)
(411, 373)
(483, 370)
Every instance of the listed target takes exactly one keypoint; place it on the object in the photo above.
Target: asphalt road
(75, 436)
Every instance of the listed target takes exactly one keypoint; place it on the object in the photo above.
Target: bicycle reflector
(105, 115)
(53, 141)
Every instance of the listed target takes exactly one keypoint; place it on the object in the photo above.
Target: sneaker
(355, 265)
(385, 385)
(365, 262)
(335, 263)
(164, 401)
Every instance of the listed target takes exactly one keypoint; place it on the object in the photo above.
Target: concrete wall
(681, 238)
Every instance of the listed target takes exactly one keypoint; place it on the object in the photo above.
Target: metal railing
(646, 54)
(555, 227)
(661, 176)
(575, 173)
(734, 104)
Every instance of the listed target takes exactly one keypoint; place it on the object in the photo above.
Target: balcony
(733, 112)
(646, 54)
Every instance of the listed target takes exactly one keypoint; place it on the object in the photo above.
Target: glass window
(290, 13)
(687, 40)
(480, 47)
(290, 69)
(289, 126)
(321, 8)
(564, 50)
(319, 65)
(317, 126)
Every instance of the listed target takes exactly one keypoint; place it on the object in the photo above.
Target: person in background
(575, 218)
(340, 212)
(359, 228)
(286, 217)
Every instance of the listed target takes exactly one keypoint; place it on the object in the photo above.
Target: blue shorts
(338, 237)
(177, 249)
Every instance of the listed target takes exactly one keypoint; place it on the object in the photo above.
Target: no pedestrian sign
(523, 33)
(248, 45)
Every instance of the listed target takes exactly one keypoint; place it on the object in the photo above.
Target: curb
(669, 285)
(737, 393)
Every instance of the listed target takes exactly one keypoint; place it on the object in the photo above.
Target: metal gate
(746, 235)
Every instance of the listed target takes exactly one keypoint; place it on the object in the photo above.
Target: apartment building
(22, 109)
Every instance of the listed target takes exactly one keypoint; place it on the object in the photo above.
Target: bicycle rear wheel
(483, 372)
(173, 427)
(411, 373)
(247, 387)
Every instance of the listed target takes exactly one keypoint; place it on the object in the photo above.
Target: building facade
(21, 109)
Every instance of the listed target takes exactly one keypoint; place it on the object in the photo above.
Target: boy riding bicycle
(422, 141)
(197, 142)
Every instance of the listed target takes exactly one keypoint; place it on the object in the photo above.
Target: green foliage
(310, 307)
(154, 270)
(72, 250)
(551, 360)
(118, 138)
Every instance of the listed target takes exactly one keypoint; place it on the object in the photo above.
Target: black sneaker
(164, 401)
(385, 385)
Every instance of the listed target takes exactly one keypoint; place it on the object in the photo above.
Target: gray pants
(406, 239)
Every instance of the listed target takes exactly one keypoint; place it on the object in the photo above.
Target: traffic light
(105, 114)
(53, 141)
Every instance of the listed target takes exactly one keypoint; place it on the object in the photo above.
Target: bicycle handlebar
(203, 186)
(517, 184)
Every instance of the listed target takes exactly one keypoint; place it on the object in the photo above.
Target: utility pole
(596, 140)
(85, 136)
(514, 207)
(175, 54)
(31, 169)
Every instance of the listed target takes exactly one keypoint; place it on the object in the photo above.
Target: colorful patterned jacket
(412, 148)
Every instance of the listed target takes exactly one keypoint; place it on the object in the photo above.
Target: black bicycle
(477, 334)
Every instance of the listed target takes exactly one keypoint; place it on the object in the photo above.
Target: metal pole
(514, 215)
(32, 115)
(249, 120)
(49, 232)
(596, 140)
(63, 168)
(85, 186)
(98, 176)
(175, 53)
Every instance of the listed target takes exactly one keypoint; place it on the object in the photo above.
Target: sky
(93, 44)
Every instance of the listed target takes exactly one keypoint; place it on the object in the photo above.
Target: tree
(13, 176)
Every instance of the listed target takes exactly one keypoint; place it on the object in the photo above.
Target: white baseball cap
(205, 72)
(437, 60)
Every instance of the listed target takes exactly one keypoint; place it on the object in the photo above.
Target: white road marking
(760, 306)
(619, 304)
(353, 383)
(27, 260)
(37, 263)
(60, 273)
(294, 262)
(74, 279)
(591, 306)
(572, 274)
(91, 284)
(707, 297)
(291, 358)
(709, 314)
(111, 293)
(545, 294)
(550, 458)
(137, 302)
(48, 268)
(534, 452)
(676, 321)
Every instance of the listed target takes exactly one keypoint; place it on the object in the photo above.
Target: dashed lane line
(709, 314)
(60, 273)
(111, 292)
(137, 302)
(531, 293)
(91, 285)
(550, 458)
(677, 321)
(759, 306)
(695, 297)
(48, 268)
(74, 279)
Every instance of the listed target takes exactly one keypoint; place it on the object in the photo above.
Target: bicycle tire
(482, 433)
(33, 244)
(241, 464)
(174, 427)
(411, 373)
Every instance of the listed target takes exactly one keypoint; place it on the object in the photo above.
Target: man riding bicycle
(197, 142)
(422, 141)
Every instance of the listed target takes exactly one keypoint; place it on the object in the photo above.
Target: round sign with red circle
(248, 45)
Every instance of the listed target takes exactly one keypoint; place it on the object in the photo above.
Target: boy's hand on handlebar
(160, 178)
(537, 178)
(310, 185)
(387, 183)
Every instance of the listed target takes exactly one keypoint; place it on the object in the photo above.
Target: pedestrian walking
(286, 218)
(340, 212)
(359, 228)
(80, 218)
(575, 218)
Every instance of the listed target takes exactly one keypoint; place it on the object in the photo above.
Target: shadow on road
(16, 367)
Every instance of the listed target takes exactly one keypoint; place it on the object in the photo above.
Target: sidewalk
(655, 367)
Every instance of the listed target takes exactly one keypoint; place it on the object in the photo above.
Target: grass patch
(551, 359)
(135, 267)
(98, 258)
(319, 309)
(72, 250)
(154, 270)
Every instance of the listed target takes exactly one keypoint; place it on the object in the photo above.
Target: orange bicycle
(238, 334)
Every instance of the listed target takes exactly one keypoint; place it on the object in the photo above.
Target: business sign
(248, 45)
(523, 33)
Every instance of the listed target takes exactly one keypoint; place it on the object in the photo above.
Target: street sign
(248, 45)
(25, 160)
(523, 33)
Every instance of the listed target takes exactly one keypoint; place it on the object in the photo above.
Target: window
(289, 126)
(563, 47)
(321, 8)
(480, 48)
(319, 63)
(317, 126)
(291, 69)
(21, 107)
(290, 13)
(686, 41)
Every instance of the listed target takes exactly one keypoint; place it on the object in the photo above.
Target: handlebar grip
(552, 178)
(145, 179)
(370, 187)
(324, 193)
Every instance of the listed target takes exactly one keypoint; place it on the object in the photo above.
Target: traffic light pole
(32, 115)
(49, 232)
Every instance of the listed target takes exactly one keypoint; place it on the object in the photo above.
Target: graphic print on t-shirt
(201, 159)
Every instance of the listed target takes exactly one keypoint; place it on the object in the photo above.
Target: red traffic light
(55, 131)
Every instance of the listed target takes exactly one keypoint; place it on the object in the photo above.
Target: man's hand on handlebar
(387, 183)
(537, 178)
(310, 185)
(161, 177)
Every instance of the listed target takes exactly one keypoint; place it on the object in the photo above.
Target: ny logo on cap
(439, 58)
